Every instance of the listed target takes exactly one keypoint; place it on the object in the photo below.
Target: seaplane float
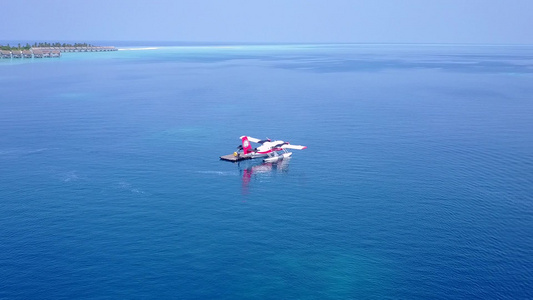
(270, 151)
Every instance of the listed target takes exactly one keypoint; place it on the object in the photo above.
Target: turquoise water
(417, 182)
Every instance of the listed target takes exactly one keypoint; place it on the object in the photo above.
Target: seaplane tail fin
(246, 147)
(297, 147)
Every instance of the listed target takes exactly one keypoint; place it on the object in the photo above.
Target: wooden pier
(235, 158)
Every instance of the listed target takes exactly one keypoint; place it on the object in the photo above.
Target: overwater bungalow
(5, 54)
(37, 53)
(40, 52)
(16, 54)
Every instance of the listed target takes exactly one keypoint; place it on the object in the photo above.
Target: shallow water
(417, 182)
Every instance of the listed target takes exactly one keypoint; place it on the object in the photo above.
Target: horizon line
(21, 41)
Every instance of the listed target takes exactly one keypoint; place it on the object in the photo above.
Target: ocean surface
(417, 182)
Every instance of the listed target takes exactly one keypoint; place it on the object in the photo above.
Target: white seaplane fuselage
(271, 151)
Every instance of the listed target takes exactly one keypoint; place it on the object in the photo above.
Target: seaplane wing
(297, 147)
(251, 139)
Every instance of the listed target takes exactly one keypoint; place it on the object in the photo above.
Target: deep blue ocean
(417, 182)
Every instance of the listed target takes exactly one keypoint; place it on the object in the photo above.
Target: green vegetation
(18, 47)
(28, 46)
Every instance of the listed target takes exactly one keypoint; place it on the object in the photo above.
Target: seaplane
(270, 151)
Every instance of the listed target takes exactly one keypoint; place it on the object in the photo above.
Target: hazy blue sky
(371, 21)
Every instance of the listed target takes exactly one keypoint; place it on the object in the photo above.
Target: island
(40, 50)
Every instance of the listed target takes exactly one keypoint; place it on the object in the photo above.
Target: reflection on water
(257, 170)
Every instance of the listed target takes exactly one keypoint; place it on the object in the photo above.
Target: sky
(270, 21)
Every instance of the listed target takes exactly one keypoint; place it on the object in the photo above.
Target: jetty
(48, 52)
(235, 157)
